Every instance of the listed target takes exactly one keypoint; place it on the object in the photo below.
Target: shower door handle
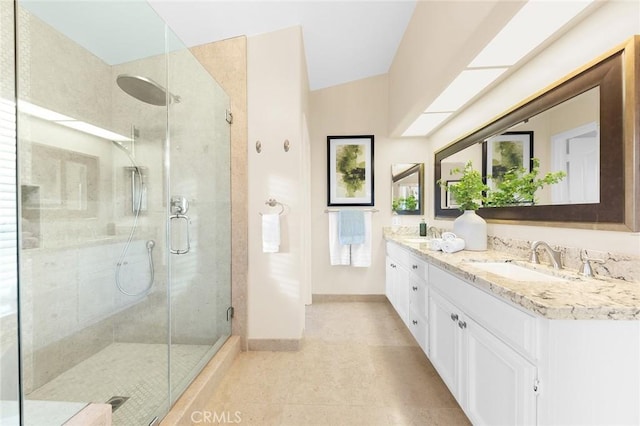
(179, 208)
(187, 221)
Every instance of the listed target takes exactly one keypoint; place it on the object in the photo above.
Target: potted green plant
(404, 203)
(470, 193)
(518, 187)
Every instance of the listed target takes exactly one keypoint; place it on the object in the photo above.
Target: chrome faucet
(434, 232)
(555, 255)
(586, 269)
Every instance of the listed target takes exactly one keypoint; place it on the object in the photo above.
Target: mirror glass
(407, 183)
(564, 138)
(586, 126)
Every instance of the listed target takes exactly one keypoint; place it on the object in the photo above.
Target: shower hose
(137, 206)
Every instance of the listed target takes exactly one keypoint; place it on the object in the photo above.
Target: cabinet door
(498, 382)
(419, 329)
(390, 279)
(397, 287)
(444, 341)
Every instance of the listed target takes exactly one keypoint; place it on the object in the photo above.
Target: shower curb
(205, 384)
(92, 415)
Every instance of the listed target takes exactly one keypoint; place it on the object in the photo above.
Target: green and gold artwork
(350, 171)
(507, 155)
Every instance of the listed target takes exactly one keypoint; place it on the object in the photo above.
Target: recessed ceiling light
(425, 123)
(468, 84)
(533, 24)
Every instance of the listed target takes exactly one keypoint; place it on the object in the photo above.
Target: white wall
(608, 26)
(357, 108)
(276, 86)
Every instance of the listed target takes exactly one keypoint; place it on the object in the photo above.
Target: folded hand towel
(271, 233)
(338, 253)
(452, 246)
(361, 253)
(435, 244)
(351, 227)
(449, 236)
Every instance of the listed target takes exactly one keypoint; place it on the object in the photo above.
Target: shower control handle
(179, 208)
(179, 205)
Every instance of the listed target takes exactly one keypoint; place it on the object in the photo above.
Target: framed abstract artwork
(350, 170)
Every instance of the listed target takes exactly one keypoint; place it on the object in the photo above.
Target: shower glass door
(93, 267)
(200, 221)
(123, 290)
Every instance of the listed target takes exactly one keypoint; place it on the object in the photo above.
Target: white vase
(472, 229)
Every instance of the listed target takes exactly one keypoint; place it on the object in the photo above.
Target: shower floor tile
(134, 370)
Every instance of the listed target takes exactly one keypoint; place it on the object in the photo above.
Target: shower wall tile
(62, 75)
(56, 358)
(69, 300)
(145, 322)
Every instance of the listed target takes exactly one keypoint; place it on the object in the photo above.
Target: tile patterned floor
(358, 366)
(136, 370)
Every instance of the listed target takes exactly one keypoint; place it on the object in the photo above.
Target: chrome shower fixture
(145, 89)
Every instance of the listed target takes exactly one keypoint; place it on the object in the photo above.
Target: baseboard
(275, 345)
(345, 298)
(200, 392)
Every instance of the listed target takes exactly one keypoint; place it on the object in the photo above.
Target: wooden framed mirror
(613, 80)
(407, 185)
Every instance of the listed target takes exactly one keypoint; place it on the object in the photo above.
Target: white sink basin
(515, 272)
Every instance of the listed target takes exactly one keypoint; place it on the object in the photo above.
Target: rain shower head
(144, 89)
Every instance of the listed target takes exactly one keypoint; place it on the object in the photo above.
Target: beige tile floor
(358, 366)
(136, 370)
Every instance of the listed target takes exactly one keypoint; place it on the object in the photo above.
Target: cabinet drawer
(408, 260)
(515, 327)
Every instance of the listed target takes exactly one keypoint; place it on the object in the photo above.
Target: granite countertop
(573, 298)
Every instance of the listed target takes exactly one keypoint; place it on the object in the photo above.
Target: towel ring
(272, 203)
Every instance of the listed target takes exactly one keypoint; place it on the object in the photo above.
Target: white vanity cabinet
(492, 382)
(506, 365)
(406, 289)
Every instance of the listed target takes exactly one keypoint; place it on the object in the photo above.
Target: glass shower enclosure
(123, 212)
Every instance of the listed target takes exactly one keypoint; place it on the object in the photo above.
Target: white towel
(271, 233)
(452, 246)
(361, 253)
(338, 253)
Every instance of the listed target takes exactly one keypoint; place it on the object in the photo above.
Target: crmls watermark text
(215, 417)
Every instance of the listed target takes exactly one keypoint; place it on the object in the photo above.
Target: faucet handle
(586, 269)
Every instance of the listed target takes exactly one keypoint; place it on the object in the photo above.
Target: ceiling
(344, 40)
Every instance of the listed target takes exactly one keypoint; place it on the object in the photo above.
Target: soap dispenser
(423, 228)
